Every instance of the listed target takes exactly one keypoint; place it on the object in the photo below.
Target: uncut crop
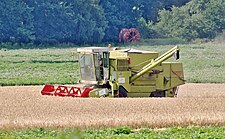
(25, 107)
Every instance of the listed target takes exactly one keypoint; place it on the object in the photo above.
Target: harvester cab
(94, 65)
(125, 73)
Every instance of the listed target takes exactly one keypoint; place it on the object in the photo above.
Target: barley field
(197, 104)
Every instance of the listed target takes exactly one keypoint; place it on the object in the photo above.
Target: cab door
(106, 65)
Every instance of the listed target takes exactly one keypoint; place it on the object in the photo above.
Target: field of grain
(197, 104)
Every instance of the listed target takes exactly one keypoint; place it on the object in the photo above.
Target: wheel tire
(175, 91)
(122, 91)
(158, 94)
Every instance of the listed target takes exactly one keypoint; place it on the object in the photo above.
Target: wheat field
(196, 104)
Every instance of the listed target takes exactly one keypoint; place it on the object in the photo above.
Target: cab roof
(93, 49)
(107, 49)
(131, 50)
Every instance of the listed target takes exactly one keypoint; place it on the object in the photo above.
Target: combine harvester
(108, 72)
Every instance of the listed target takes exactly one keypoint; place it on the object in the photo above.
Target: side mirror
(177, 55)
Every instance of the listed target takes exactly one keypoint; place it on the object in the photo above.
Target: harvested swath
(24, 107)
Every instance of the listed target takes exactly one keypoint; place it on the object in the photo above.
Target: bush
(220, 38)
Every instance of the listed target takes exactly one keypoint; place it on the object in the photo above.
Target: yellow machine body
(130, 72)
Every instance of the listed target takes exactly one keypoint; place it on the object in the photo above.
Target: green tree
(168, 4)
(196, 19)
(214, 14)
(146, 28)
(16, 21)
(119, 14)
(133, 13)
(80, 21)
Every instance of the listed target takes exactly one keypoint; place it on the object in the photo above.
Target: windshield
(87, 69)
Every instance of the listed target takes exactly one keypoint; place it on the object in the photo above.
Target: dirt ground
(196, 104)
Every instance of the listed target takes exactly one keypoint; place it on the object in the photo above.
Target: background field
(202, 63)
(26, 114)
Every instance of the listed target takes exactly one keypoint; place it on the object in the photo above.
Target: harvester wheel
(133, 35)
(129, 35)
(122, 91)
(158, 93)
(122, 35)
(174, 91)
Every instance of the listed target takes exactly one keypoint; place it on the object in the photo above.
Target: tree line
(97, 21)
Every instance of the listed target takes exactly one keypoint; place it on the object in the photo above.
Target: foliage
(79, 21)
(98, 21)
(146, 28)
(119, 15)
(220, 38)
(133, 13)
(16, 21)
(196, 19)
(182, 133)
